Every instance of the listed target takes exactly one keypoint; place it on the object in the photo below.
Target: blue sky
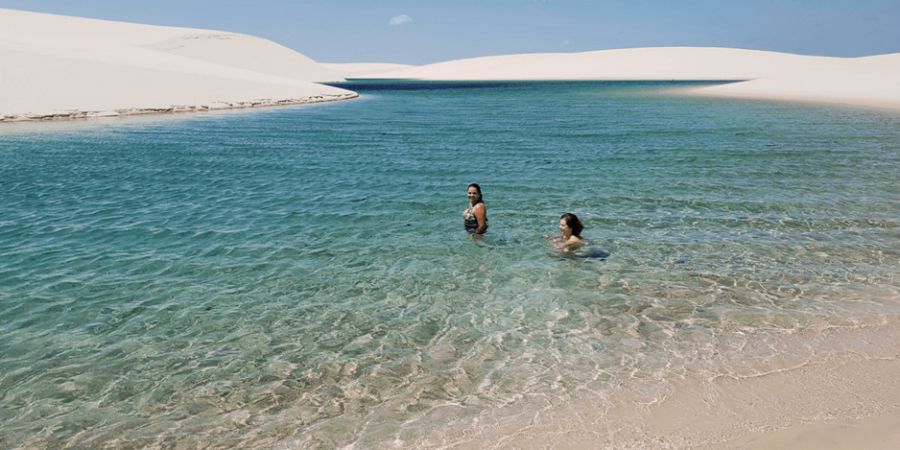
(423, 31)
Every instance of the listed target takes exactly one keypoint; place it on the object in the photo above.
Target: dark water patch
(369, 84)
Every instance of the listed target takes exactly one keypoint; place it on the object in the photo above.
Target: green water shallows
(300, 276)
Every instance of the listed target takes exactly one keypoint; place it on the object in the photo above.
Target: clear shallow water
(300, 277)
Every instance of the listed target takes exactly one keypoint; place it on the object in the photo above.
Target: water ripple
(298, 277)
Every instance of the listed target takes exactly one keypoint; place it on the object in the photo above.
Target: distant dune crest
(355, 69)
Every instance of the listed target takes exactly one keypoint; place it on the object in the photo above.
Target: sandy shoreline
(261, 103)
(834, 389)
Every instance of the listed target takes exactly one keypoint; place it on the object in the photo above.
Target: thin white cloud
(399, 20)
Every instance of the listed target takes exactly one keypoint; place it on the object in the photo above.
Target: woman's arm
(572, 243)
(480, 212)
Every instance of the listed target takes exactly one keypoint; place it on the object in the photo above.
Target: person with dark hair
(475, 216)
(570, 227)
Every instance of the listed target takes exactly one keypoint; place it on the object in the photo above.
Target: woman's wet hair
(477, 188)
(573, 223)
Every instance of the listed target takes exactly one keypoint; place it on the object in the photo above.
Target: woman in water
(475, 216)
(570, 227)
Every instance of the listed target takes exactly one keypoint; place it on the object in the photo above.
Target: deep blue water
(300, 276)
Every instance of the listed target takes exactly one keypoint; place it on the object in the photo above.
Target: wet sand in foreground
(841, 394)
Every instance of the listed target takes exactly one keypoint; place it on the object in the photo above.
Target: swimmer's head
(569, 222)
(474, 193)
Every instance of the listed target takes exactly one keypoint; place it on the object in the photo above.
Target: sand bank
(68, 67)
(868, 81)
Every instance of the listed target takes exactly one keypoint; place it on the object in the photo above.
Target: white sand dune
(63, 67)
(59, 66)
(348, 70)
(867, 81)
(872, 81)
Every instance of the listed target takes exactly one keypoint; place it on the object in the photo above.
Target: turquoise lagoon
(299, 277)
